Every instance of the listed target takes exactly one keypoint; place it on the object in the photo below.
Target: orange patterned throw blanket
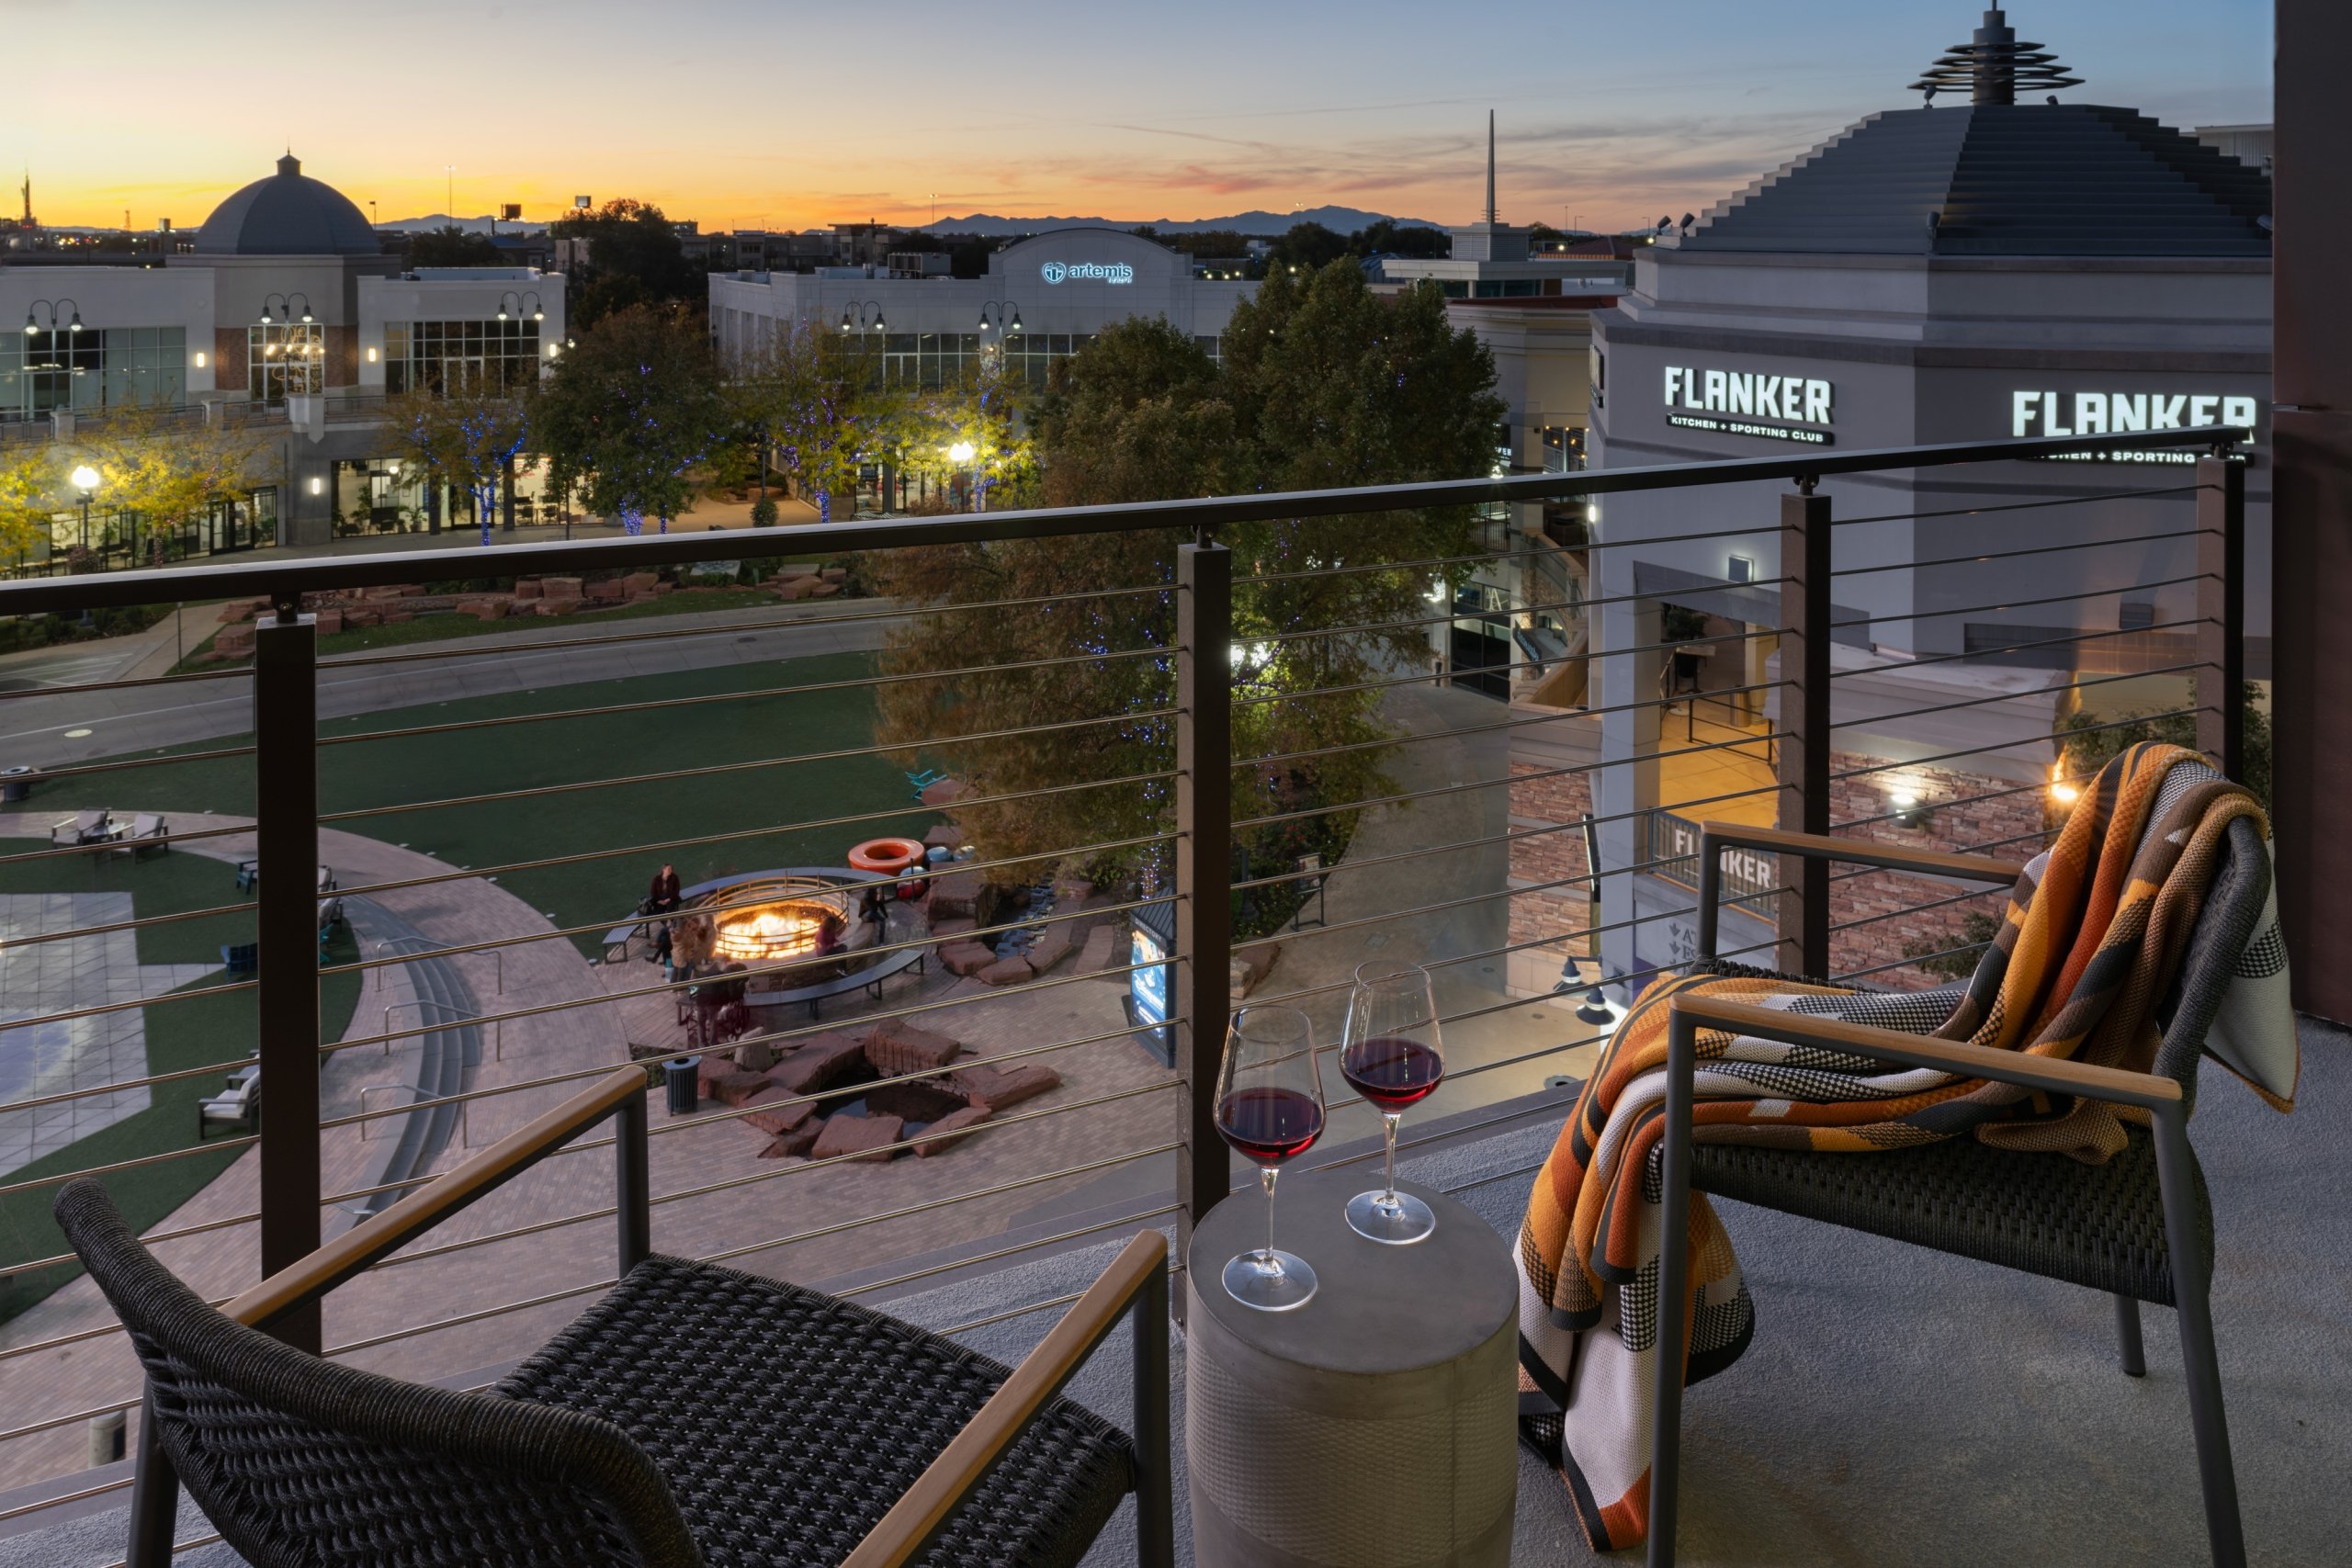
(2095, 933)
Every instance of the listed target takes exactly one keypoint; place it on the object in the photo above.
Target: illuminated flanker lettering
(1796, 398)
(2120, 413)
(1087, 272)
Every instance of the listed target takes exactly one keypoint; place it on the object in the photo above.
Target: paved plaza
(42, 978)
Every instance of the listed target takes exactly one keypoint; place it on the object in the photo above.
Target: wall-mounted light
(1740, 569)
(200, 359)
(1910, 811)
(2063, 791)
(371, 354)
(318, 485)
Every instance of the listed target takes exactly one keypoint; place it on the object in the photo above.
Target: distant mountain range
(1344, 219)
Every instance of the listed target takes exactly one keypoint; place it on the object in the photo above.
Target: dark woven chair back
(302, 1463)
(2217, 948)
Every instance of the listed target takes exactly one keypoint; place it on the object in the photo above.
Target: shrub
(763, 513)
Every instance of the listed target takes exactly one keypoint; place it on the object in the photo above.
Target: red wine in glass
(1392, 1072)
(1269, 1126)
(1269, 1106)
(1393, 1054)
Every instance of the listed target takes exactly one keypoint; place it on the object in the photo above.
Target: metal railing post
(286, 790)
(1803, 752)
(2221, 613)
(1202, 960)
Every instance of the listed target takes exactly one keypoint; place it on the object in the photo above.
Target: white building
(288, 307)
(1043, 298)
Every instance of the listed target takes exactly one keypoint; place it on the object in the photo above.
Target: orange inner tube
(888, 856)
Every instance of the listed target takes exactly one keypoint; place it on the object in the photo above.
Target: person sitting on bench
(664, 899)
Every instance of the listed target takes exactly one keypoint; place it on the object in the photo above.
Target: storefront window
(463, 357)
(94, 369)
(285, 357)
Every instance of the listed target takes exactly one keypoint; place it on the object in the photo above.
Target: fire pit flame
(783, 930)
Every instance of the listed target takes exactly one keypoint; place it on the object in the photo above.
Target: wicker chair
(2139, 1227)
(695, 1415)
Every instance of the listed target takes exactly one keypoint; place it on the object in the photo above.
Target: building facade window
(94, 369)
(1563, 449)
(460, 357)
(285, 357)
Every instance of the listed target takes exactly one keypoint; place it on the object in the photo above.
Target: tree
(815, 396)
(634, 259)
(1387, 236)
(1308, 247)
(632, 412)
(32, 490)
(1323, 384)
(158, 470)
(452, 246)
(981, 409)
(2088, 739)
(469, 439)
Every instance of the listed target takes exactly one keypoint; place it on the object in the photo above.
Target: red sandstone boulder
(609, 592)
(966, 957)
(735, 1085)
(529, 588)
(242, 610)
(362, 615)
(708, 1069)
(1005, 972)
(559, 607)
(946, 791)
(330, 622)
(792, 587)
(818, 1063)
(955, 927)
(561, 587)
(1053, 945)
(778, 1113)
(913, 1101)
(997, 1088)
(798, 1142)
(953, 896)
(1101, 944)
(945, 836)
(896, 1046)
(835, 573)
(860, 1137)
(233, 641)
(483, 609)
(637, 582)
(951, 1130)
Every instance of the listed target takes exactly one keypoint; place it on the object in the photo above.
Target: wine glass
(1269, 1107)
(1393, 1057)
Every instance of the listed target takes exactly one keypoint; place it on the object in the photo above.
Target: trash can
(17, 784)
(684, 1099)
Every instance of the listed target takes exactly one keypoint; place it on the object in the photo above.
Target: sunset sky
(743, 113)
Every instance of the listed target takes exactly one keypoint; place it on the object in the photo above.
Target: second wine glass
(1394, 1056)
(1270, 1108)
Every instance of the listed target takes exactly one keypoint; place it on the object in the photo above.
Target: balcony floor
(1897, 1405)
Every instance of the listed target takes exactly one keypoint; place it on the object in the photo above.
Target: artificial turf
(189, 1029)
(738, 814)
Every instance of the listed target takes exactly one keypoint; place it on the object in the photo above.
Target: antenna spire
(1491, 219)
(1993, 65)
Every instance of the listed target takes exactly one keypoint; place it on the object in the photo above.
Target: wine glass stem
(1388, 1120)
(1266, 1173)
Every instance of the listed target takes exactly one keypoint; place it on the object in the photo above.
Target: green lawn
(191, 1030)
(538, 756)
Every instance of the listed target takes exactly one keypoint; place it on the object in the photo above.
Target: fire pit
(798, 923)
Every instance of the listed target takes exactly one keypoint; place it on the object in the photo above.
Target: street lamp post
(961, 454)
(32, 317)
(86, 480)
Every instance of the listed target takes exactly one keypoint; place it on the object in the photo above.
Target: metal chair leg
(2176, 1178)
(2127, 1334)
(1155, 1442)
(1673, 1289)
(154, 1497)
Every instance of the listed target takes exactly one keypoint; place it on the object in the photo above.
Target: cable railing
(1179, 808)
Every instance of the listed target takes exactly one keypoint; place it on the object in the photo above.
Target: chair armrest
(313, 1275)
(2056, 1074)
(924, 1510)
(1715, 837)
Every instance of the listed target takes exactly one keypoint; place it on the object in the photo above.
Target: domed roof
(289, 214)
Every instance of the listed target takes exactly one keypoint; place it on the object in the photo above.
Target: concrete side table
(1376, 1426)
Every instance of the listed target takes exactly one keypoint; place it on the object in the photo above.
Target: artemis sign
(2109, 413)
(1087, 272)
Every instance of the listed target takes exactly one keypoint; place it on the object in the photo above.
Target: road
(51, 730)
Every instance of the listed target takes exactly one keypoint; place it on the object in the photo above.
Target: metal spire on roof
(1993, 65)
(1491, 219)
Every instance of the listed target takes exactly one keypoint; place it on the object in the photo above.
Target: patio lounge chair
(694, 1415)
(82, 828)
(240, 957)
(2139, 1227)
(924, 780)
(148, 833)
(238, 1106)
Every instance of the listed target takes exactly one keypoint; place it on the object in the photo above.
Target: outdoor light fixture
(264, 315)
(962, 452)
(318, 485)
(85, 478)
(31, 327)
(2062, 792)
(200, 359)
(371, 354)
(1910, 811)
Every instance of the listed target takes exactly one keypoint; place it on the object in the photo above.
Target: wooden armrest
(313, 1275)
(2053, 1074)
(1716, 836)
(918, 1515)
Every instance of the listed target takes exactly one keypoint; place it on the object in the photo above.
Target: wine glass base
(1396, 1220)
(1288, 1285)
